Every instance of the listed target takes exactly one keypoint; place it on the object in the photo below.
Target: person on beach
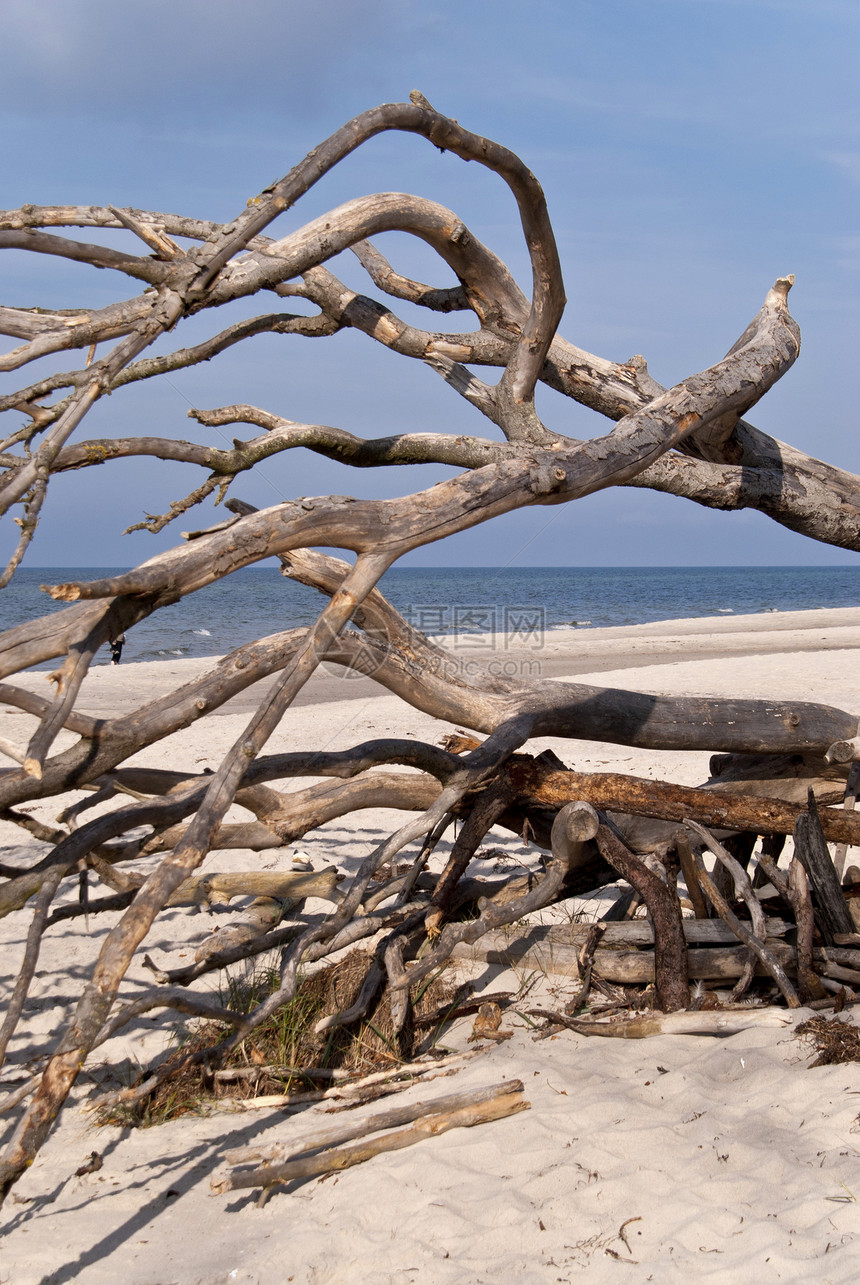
(116, 646)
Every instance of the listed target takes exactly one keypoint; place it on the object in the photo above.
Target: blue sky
(691, 152)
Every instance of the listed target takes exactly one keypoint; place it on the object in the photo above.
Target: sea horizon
(523, 602)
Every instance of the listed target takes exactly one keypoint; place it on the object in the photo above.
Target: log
(611, 791)
(778, 776)
(808, 984)
(205, 890)
(457, 1111)
(691, 876)
(639, 933)
(837, 955)
(841, 974)
(420, 672)
(756, 769)
(717, 1022)
(546, 950)
(574, 825)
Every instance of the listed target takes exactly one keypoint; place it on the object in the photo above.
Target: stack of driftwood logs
(716, 928)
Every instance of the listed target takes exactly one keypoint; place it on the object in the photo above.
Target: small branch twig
(585, 961)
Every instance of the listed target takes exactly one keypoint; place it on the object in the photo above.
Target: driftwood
(318, 1156)
(687, 864)
(797, 890)
(551, 950)
(811, 847)
(670, 954)
(640, 932)
(616, 793)
(744, 934)
(690, 440)
(211, 889)
(207, 889)
(625, 956)
(585, 964)
(743, 889)
(724, 1022)
(389, 1119)
(346, 1087)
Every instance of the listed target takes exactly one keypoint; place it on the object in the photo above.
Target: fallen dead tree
(691, 441)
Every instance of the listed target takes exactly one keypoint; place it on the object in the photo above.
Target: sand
(737, 1161)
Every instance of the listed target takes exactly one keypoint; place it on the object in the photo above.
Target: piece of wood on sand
(320, 1154)
(711, 1022)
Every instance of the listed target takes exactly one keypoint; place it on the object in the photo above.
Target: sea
(524, 601)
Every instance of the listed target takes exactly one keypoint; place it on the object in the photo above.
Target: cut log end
(575, 824)
(579, 821)
(844, 751)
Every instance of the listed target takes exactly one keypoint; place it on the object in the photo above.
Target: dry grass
(286, 1045)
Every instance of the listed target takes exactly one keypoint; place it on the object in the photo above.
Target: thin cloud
(93, 57)
(847, 162)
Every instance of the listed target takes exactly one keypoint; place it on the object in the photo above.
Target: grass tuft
(286, 1046)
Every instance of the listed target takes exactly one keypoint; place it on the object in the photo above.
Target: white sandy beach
(734, 1159)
